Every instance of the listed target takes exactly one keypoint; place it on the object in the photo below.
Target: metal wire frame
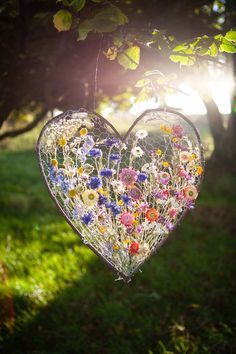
(124, 138)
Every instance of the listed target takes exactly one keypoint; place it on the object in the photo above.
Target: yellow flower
(62, 142)
(90, 197)
(120, 202)
(80, 170)
(165, 163)
(54, 162)
(116, 248)
(135, 222)
(136, 215)
(83, 132)
(159, 152)
(105, 193)
(72, 193)
(126, 241)
(102, 229)
(165, 129)
(174, 140)
(192, 157)
(199, 170)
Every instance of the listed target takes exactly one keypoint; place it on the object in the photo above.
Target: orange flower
(152, 214)
(190, 192)
(134, 248)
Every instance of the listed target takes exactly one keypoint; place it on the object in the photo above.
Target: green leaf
(180, 47)
(108, 19)
(143, 95)
(227, 46)
(130, 58)
(84, 28)
(79, 5)
(231, 35)
(213, 50)
(118, 41)
(183, 60)
(62, 20)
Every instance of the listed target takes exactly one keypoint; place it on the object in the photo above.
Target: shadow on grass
(183, 299)
(183, 302)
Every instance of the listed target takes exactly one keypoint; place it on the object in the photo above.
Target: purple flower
(190, 204)
(109, 142)
(161, 219)
(169, 226)
(102, 199)
(106, 172)
(115, 157)
(125, 199)
(142, 177)
(95, 153)
(135, 193)
(95, 183)
(87, 218)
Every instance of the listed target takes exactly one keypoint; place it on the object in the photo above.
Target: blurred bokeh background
(56, 296)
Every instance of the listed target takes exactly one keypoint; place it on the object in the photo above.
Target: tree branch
(27, 128)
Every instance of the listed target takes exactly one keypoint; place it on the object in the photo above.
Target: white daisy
(137, 151)
(118, 186)
(141, 134)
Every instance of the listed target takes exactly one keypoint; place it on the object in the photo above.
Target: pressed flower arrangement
(122, 194)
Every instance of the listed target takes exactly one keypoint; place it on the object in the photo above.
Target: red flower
(152, 214)
(134, 247)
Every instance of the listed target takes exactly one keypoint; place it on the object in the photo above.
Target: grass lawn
(57, 297)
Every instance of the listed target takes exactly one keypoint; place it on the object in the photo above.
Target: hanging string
(96, 73)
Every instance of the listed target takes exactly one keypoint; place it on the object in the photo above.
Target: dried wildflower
(152, 214)
(90, 197)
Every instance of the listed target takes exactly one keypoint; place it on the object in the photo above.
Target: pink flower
(127, 219)
(164, 177)
(128, 176)
(173, 212)
(181, 171)
(177, 130)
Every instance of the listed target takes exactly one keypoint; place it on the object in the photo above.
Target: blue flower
(87, 218)
(95, 153)
(52, 172)
(95, 183)
(115, 157)
(106, 172)
(102, 199)
(125, 199)
(109, 142)
(116, 209)
(142, 177)
(63, 182)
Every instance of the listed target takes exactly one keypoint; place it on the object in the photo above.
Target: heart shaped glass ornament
(122, 194)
